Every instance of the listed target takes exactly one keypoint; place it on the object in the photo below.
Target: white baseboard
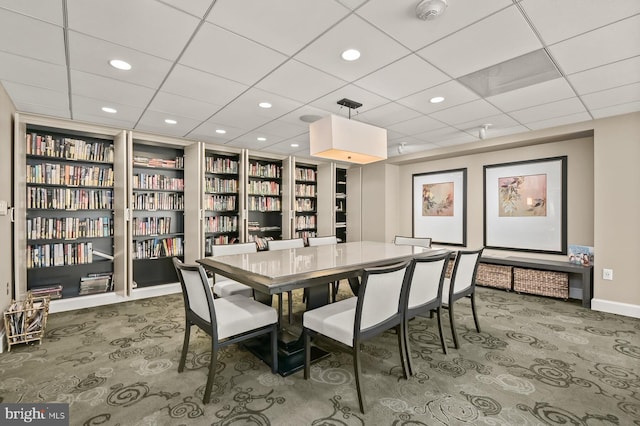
(619, 308)
(154, 291)
(88, 301)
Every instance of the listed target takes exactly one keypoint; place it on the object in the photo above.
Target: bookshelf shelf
(221, 199)
(341, 205)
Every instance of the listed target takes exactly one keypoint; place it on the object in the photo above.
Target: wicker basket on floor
(497, 276)
(543, 283)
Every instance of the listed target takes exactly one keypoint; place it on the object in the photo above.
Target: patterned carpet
(537, 361)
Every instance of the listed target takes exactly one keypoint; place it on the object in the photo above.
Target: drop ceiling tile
(194, 7)
(560, 121)
(453, 92)
(548, 91)
(616, 110)
(368, 100)
(613, 43)
(285, 148)
(24, 96)
(250, 141)
(20, 69)
(109, 90)
(398, 19)
(311, 112)
(388, 114)
(483, 44)
(466, 112)
(408, 145)
(141, 24)
(220, 52)
(548, 111)
(153, 122)
(32, 38)
(495, 132)
(89, 107)
(207, 132)
(202, 86)
(559, 20)
(606, 76)
(183, 107)
(283, 129)
(273, 24)
(351, 4)
(45, 10)
(92, 55)
(376, 48)
(447, 136)
(104, 120)
(300, 82)
(497, 122)
(404, 77)
(612, 97)
(417, 125)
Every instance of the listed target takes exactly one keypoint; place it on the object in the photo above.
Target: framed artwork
(525, 206)
(440, 206)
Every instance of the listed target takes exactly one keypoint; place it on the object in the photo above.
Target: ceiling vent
(430, 9)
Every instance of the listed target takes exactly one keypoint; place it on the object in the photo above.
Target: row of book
(173, 163)
(69, 149)
(305, 205)
(69, 175)
(264, 170)
(305, 174)
(52, 291)
(220, 202)
(59, 254)
(157, 201)
(265, 204)
(305, 235)
(220, 185)
(256, 227)
(261, 242)
(263, 188)
(156, 181)
(209, 242)
(221, 224)
(96, 283)
(305, 222)
(303, 190)
(68, 228)
(69, 199)
(143, 226)
(220, 165)
(158, 247)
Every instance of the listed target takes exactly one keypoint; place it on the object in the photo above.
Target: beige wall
(6, 165)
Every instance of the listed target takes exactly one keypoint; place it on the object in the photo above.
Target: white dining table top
(282, 270)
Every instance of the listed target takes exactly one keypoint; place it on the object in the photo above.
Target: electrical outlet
(607, 274)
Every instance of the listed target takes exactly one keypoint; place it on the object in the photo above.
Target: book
(581, 255)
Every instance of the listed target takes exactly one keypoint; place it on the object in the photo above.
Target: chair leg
(274, 349)
(212, 373)
(185, 347)
(442, 342)
(280, 308)
(475, 313)
(453, 326)
(407, 349)
(307, 353)
(400, 331)
(334, 291)
(356, 369)
(290, 307)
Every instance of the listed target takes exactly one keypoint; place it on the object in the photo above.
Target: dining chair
(227, 320)
(412, 241)
(378, 307)
(223, 287)
(283, 245)
(424, 294)
(325, 241)
(462, 284)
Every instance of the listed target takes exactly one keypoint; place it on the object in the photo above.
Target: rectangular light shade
(338, 138)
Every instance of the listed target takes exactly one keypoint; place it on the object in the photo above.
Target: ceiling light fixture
(430, 9)
(120, 64)
(170, 121)
(264, 105)
(436, 99)
(401, 147)
(221, 131)
(338, 138)
(294, 145)
(109, 110)
(482, 133)
(261, 138)
(350, 55)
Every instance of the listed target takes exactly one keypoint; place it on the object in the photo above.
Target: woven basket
(543, 283)
(497, 276)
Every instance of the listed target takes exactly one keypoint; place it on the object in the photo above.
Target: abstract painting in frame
(525, 205)
(440, 206)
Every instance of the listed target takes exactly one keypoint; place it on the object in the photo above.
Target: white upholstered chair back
(425, 282)
(464, 274)
(381, 297)
(196, 290)
(322, 241)
(228, 249)
(412, 241)
(285, 244)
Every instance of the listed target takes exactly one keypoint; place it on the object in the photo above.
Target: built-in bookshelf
(221, 199)
(305, 201)
(264, 201)
(69, 216)
(341, 205)
(157, 206)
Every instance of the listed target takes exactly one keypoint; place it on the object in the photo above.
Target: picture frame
(525, 205)
(439, 207)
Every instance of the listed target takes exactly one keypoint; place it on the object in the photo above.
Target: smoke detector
(430, 9)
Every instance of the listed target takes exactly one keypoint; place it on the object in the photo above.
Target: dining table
(311, 268)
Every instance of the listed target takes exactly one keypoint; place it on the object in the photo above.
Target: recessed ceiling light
(436, 99)
(294, 145)
(309, 118)
(109, 110)
(350, 54)
(170, 121)
(264, 105)
(262, 139)
(120, 64)
(221, 131)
